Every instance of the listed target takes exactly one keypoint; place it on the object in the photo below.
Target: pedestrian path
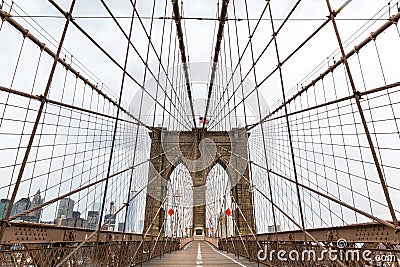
(200, 254)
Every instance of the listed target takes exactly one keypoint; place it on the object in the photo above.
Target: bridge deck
(200, 253)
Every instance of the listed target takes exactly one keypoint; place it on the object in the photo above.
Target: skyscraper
(3, 207)
(111, 224)
(76, 214)
(120, 227)
(131, 223)
(20, 206)
(93, 219)
(34, 216)
(65, 208)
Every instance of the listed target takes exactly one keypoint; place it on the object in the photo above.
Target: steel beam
(364, 232)
(222, 19)
(30, 233)
(179, 32)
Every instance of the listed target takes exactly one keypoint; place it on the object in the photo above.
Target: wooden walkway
(200, 254)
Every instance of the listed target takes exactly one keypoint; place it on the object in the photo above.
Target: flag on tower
(203, 121)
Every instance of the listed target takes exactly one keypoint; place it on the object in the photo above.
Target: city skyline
(66, 215)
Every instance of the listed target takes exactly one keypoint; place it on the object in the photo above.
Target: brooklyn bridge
(199, 133)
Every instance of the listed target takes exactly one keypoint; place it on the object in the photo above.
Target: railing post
(248, 247)
(162, 247)
(237, 249)
(141, 254)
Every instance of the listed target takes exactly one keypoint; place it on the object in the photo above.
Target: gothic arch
(235, 140)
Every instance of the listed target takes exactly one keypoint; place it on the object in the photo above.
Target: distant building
(20, 206)
(65, 208)
(34, 216)
(112, 207)
(111, 224)
(3, 207)
(93, 219)
(120, 227)
(74, 222)
(140, 226)
(131, 216)
(271, 228)
(76, 214)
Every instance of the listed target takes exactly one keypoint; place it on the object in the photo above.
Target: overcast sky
(200, 35)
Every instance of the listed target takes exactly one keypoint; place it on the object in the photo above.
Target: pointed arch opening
(218, 201)
(179, 203)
